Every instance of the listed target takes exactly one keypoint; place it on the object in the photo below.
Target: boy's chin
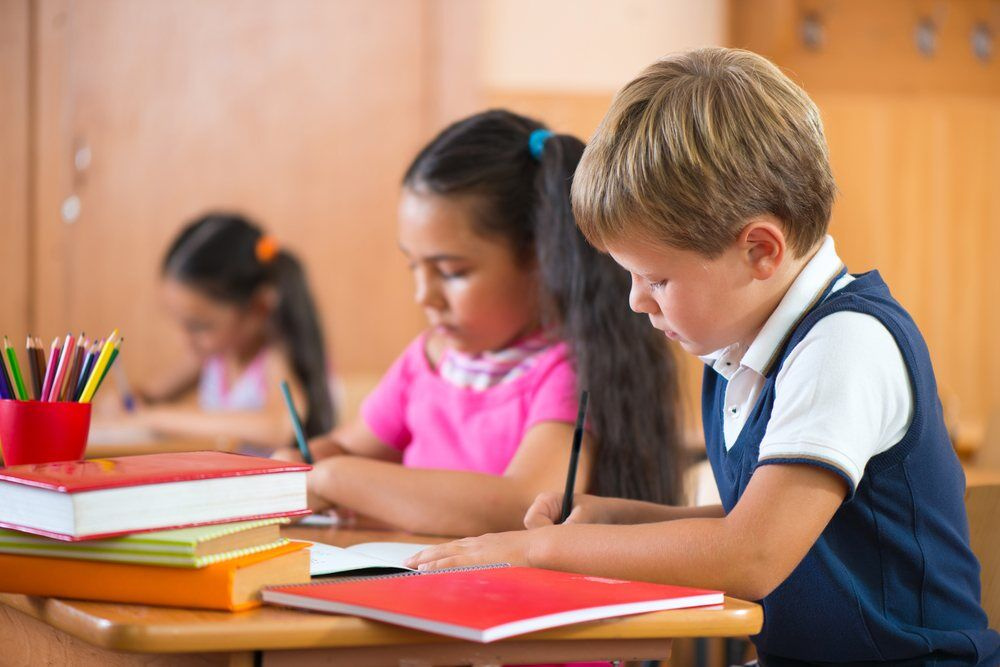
(694, 348)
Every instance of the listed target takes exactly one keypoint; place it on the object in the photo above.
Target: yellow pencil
(99, 366)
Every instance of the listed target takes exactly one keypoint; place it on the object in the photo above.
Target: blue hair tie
(536, 142)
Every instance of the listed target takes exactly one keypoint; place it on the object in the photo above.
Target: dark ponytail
(228, 258)
(624, 363)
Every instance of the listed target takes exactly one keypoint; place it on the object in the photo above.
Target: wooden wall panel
(918, 201)
(915, 147)
(301, 114)
(14, 161)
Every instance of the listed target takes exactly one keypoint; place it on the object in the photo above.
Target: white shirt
(843, 394)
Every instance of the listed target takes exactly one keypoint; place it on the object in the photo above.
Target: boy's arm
(747, 553)
(547, 509)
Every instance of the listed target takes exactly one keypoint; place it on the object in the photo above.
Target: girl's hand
(513, 547)
(287, 454)
(547, 509)
(324, 446)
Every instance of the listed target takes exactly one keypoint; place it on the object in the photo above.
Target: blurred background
(124, 118)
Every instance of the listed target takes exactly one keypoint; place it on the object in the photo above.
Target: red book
(76, 500)
(487, 603)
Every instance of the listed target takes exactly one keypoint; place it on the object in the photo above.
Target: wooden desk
(65, 632)
(119, 438)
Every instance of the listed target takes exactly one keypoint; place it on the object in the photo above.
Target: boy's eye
(658, 285)
(454, 275)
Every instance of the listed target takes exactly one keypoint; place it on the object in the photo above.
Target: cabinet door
(301, 114)
(14, 248)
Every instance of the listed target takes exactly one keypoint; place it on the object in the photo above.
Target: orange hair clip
(266, 249)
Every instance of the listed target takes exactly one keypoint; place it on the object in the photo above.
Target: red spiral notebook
(76, 500)
(487, 603)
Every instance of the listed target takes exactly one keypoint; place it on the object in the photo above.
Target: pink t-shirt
(439, 425)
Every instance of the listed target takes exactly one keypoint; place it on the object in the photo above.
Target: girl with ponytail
(250, 322)
(475, 418)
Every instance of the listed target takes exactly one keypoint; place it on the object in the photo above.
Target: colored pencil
(15, 370)
(114, 355)
(300, 436)
(85, 368)
(34, 372)
(65, 355)
(111, 361)
(69, 382)
(574, 457)
(50, 370)
(98, 372)
(39, 350)
(6, 388)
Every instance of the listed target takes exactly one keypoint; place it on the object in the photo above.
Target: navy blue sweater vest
(892, 578)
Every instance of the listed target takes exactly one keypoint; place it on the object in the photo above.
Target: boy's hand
(513, 547)
(547, 509)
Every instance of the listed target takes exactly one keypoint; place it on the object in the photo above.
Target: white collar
(802, 294)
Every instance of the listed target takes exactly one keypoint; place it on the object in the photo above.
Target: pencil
(40, 356)
(50, 370)
(39, 351)
(69, 382)
(574, 457)
(300, 436)
(111, 360)
(65, 356)
(85, 368)
(98, 372)
(34, 372)
(6, 388)
(15, 370)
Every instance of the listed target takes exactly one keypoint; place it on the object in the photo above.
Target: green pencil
(111, 360)
(15, 370)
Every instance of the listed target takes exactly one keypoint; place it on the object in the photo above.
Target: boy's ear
(763, 242)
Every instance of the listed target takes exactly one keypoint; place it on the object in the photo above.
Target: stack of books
(194, 529)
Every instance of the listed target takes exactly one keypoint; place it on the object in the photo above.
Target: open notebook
(372, 556)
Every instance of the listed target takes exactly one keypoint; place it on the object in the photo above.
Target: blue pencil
(6, 388)
(300, 436)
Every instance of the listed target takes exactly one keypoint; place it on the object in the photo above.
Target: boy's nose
(639, 299)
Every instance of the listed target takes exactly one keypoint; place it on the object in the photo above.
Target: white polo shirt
(843, 394)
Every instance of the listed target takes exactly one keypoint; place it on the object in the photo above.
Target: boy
(842, 499)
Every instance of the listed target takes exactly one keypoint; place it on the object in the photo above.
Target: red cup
(42, 432)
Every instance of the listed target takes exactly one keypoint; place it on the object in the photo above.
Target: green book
(186, 547)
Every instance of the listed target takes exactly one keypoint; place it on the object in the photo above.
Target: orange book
(234, 584)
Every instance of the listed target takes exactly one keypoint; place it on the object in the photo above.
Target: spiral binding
(397, 575)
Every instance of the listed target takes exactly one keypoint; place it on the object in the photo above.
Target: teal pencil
(300, 436)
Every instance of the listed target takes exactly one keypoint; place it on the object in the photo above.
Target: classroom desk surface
(48, 631)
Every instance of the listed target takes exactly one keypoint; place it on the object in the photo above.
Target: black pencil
(574, 456)
(33, 371)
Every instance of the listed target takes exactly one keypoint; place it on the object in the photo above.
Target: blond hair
(697, 145)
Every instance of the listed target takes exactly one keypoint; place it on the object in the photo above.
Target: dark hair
(218, 255)
(624, 363)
